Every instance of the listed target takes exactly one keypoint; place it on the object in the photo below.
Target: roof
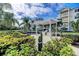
(44, 22)
(65, 9)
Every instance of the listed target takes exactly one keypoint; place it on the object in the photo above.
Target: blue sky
(42, 10)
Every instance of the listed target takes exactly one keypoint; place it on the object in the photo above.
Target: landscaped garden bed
(16, 44)
(13, 43)
(57, 47)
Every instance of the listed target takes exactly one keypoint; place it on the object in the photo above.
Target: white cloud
(18, 8)
(32, 11)
(37, 4)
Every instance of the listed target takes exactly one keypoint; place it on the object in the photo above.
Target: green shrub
(17, 34)
(22, 50)
(12, 51)
(54, 46)
(26, 50)
(8, 39)
(2, 34)
(17, 44)
(66, 51)
(44, 54)
(16, 39)
(66, 40)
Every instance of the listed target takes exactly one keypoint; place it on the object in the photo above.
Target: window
(77, 10)
(65, 24)
(77, 16)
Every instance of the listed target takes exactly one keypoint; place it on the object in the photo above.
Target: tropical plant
(75, 25)
(16, 43)
(12, 51)
(26, 50)
(9, 19)
(1, 11)
(54, 46)
(44, 54)
(66, 41)
(66, 51)
(26, 24)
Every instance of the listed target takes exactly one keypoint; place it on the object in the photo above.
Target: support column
(42, 29)
(36, 29)
(56, 29)
(50, 29)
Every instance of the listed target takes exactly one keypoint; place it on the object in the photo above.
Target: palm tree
(4, 6)
(2, 26)
(26, 24)
(6, 18)
(1, 11)
(75, 25)
(9, 19)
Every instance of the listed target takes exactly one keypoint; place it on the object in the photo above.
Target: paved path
(76, 50)
(46, 38)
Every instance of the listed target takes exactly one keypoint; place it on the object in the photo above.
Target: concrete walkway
(45, 39)
(76, 50)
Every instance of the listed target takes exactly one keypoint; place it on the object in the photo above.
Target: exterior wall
(64, 15)
(68, 15)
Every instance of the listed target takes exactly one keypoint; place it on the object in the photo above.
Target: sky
(41, 10)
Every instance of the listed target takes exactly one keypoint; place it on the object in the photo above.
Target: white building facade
(67, 15)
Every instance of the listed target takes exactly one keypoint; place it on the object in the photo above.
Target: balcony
(64, 10)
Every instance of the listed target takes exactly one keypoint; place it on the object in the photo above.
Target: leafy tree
(75, 25)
